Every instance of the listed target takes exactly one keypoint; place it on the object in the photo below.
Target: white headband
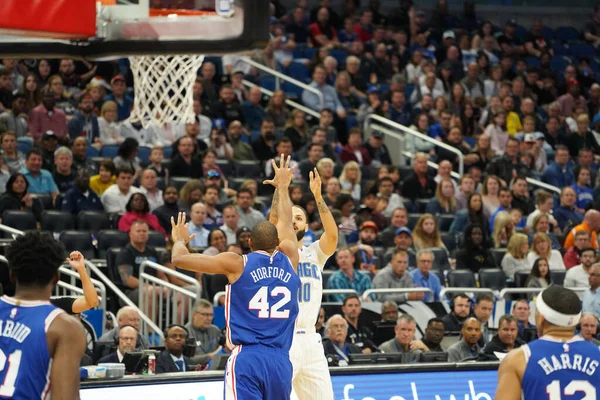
(555, 317)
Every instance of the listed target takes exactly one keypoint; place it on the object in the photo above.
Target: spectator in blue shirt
(253, 112)
(566, 214)
(330, 97)
(400, 110)
(85, 122)
(347, 35)
(559, 173)
(347, 277)
(581, 187)
(439, 130)
(124, 102)
(422, 276)
(40, 180)
(297, 30)
(80, 197)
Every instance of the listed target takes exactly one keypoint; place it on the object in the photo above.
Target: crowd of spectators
(514, 101)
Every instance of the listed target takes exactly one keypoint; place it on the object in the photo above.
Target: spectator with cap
(118, 95)
(347, 277)
(377, 149)
(63, 174)
(363, 250)
(85, 122)
(396, 276)
(40, 180)
(46, 117)
(15, 120)
(79, 197)
(48, 146)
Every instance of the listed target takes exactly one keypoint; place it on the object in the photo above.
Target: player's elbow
(93, 303)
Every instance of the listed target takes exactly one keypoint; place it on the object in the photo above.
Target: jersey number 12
(7, 388)
(260, 302)
(573, 387)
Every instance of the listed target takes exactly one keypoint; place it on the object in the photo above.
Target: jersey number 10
(7, 389)
(573, 387)
(260, 302)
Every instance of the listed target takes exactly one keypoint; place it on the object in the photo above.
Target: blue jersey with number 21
(262, 305)
(24, 358)
(559, 370)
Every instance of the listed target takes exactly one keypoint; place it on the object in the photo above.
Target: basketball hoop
(163, 88)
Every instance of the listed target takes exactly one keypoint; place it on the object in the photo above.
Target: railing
(279, 76)
(543, 185)
(170, 306)
(397, 291)
(100, 287)
(380, 122)
(453, 289)
(289, 102)
(217, 296)
(506, 291)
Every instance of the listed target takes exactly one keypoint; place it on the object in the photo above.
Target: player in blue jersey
(40, 345)
(261, 304)
(558, 366)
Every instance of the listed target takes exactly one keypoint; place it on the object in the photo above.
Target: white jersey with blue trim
(310, 271)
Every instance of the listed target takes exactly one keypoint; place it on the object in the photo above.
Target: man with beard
(85, 122)
(170, 208)
(80, 197)
(434, 334)
(79, 148)
(573, 254)
(506, 339)
(394, 276)
(358, 335)
(264, 146)
(241, 151)
(460, 310)
(243, 235)
(579, 275)
(468, 347)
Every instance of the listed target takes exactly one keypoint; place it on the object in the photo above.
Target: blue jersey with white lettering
(262, 305)
(558, 370)
(24, 358)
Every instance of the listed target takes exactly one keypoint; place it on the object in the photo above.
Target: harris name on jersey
(12, 330)
(568, 361)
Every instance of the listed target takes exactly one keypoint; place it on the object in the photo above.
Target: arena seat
(109, 151)
(498, 255)
(444, 221)
(156, 239)
(440, 274)
(492, 278)
(110, 238)
(461, 278)
(161, 183)
(449, 240)
(421, 205)
(92, 221)
(226, 167)
(46, 200)
(21, 220)
(248, 169)
(178, 181)
(113, 271)
(521, 278)
(558, 277)
(566, 34)
(412, 220)
(78, 240)
(144, 154)
(57, 221)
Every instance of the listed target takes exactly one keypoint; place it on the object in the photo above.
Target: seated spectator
(515, 259)
(264, 146)
(105, 178)
(296, 129)
(378, 151)
(544, 202)
(582, 188)
(230, 226)
(347, 277)
(482, 311)
(345, 204)
(127, 156)
(567, 215)
(591, 32)
(590, 301)
(363, 250)
(84, 122)
(541, 224)
(110, 129)
(455, 140)
(350, 179)
(47, 117)
(497, 133)
(16, 197)
(129, 260)
(419, 185)
(473, 214)
(64, 100)
(172, 359)
(15, 120)
(506, 339)
(505, 197)
(404, 341)
(11, 156)
(354, 151)
(522, 312)
(490, 191)
(190, 193)
(47, 147)
(399, 218)
(385, 191)
(468, 347)
(395, 276)
(4, 175)
(326, 169)
(169, 209)
(196, 133)
(444, 201)
(460, 308)
(150, 189)
(474, 254)
(40, 180)
(217, 242)
(591, 224)
(126, 316)
(219, 145)
(426, 233)
(79, 149)
(322, 32)
(422, 276)
(520, 196)
(539, 277)
(241, 151)
(63, 174)
(306, 166)
(126, 343)
(296, 29)
(504, 229)
(330, 98)
(349, 96)
(277, 110)
(252, 110)
(205, 334)
(115, 198)
(80, 197)
(589, 328)
(138, 209)
(185, 164)
(466, 187)
(248, 215)
(6, 88)
(434, 335)
(573, 254)
(403, 242)
(123, 101)
(228, 108)
(508, 164)
(583, 137)
(358, 333)
(196, 226)
(336, 344)
(332, 191)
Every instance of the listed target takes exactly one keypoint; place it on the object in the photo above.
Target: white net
(163, 88)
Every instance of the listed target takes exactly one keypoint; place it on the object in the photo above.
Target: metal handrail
(99, 285)
(339, 291)
(182, 297)
(506, 291)
(406, 130)
(217, 296)
(10, 230)
(454, 289)
(398, 291)
(543, 185)
(289, 102)
(278, 75)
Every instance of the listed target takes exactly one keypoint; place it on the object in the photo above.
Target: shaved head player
(558, 366)
(311, 373)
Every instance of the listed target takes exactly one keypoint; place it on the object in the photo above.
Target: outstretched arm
(90, 297)
(329, 239)
(510, 374)
(281, 199)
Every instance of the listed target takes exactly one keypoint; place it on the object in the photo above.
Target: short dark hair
(587, 249)
(384, 179)
(311, 145)
(32, 151)
(561, 147)
(108, 165)
(483, 297)
(215, 187)
(264, 236)
(434, 321)
(504, 189)
(187, 333)
(283, 139)
(19, 95)
(34, 258)
(520, 178)
(508, 318)
(124, 170)
(245, 190)
(350, 297)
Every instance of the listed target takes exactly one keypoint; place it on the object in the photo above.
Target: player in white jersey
(311, 380)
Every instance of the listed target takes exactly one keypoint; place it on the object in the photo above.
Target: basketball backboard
(114, 28)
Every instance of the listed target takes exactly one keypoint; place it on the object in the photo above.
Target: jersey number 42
(260, 302)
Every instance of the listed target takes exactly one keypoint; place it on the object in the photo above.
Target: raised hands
(76, 261)
(179, 230)
(315, 183)
(283, 173)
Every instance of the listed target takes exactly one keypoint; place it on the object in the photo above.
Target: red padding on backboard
(58, 19)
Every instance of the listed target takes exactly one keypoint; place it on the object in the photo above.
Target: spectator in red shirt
(571, 257)
(138, 208)
(364, 28)
(353, 151)
(322, 33)
(46, 117)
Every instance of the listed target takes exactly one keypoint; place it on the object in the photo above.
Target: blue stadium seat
(339, 55)
(23, 147)
(109, 151)
(299, 52)
(520, 32)
(310, 52)
(581, 50)
(299, 71)
(547, 33)
(267, 82)
(532, 61)
(167, 152)
(91, 152)
(144, 153)
(218, 63)
(560, 50)
(408, 90)
(559, 64)
(566, 33)
(291, 90)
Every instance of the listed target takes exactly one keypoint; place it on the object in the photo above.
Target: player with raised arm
(40, 345)
(311, 373)
(558, 366)
(261, 303)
